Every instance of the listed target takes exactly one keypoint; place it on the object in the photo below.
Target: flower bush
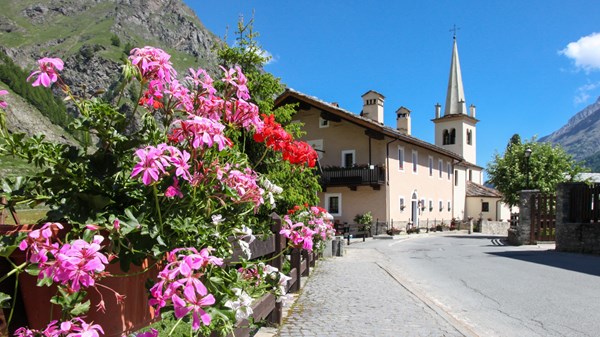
(179, 189)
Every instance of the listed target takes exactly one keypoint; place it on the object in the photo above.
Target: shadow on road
(588, 264)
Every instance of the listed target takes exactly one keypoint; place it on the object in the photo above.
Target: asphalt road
(486, 288)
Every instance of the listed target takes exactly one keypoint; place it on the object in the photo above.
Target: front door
(414, 209)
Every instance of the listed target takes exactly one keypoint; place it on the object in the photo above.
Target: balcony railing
(353, 176)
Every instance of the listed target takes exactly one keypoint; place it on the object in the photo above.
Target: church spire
(455, 97)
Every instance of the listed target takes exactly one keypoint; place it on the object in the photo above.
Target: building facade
(402, 180)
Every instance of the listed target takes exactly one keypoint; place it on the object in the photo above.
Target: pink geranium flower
(173, 190)
(47, 72)
(151, 164)
(3, 104)
(194, 302)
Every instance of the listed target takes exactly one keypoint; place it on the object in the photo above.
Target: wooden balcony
(352, 177)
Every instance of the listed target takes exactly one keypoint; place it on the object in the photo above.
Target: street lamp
(527, 155)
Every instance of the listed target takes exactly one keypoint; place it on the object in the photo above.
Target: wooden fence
(267, 308)
(584, 203)
(543, 217)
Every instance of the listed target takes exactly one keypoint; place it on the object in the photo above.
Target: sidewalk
(355, 295)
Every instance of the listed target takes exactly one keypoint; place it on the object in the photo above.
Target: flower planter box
(118, 319)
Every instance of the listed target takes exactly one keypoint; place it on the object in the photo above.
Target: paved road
(499, 290)
(354, 296)
(440, 285)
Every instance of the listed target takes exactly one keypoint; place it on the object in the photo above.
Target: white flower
(245, 246)
(269, 186)
(241, 306)
(217, 219)
(245, 240)
(285, 300)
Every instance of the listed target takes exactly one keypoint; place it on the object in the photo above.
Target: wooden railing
(340, 176)
(267, 308)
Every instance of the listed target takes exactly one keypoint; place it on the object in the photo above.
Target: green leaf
(80, 308)
(216, 280)
(4, 300)
(32, 269)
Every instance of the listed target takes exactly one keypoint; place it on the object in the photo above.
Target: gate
(543, 217)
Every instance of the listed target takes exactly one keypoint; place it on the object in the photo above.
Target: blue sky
(528, 66)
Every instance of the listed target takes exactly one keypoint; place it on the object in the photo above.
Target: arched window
(469, 137)
(452, 136)
(446, 137)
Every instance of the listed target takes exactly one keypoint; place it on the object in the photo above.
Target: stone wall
(573, 237)
(578, 238)
(494, 227)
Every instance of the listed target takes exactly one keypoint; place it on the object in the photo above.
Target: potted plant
(366, 220)
(168, 198)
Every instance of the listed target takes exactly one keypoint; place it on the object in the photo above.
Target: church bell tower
(455, 130)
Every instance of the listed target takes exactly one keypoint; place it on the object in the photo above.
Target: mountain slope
(580, 137)
(93, 36)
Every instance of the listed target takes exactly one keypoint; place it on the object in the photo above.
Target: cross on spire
(453, 30)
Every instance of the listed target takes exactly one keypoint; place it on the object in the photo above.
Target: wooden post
(280, 242)
(3, 214)
(307, 260)
(276, 316)
(296, 262)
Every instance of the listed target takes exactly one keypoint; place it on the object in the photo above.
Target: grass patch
(14, 167)
(27, 216)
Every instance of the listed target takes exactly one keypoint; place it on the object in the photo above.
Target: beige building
(368, 166)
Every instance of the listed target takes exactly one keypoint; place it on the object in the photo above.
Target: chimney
(373, 106)
(472, 110)
(403, 120)
(438, 109)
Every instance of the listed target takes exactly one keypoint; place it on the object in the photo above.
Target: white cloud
(583, 93)
(585, 52)
(268, 56)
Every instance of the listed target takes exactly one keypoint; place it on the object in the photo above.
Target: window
(455, 178)
(323, 123)
(317, 144)
(446, 137)
(422, 204)
(485, 206)
(348, 158)
(430, 205)
(449, 205)
(469, 137)
(430, 166)
(452, 136)
(402, 204)
(415, 160)
(470, 175)
(449, 169)
(333, 203)
(441, 204)
(440, 168)
(401, 158)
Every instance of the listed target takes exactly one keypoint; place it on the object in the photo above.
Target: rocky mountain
(581, 136)
(93, 36)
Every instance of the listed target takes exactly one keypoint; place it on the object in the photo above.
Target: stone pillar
(524, 228)
(567, 236)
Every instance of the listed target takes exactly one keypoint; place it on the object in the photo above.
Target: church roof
(290, 96)
(476, 190)
(455, 96)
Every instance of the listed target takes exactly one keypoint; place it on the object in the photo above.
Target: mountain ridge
(94, 36)
(580, 136)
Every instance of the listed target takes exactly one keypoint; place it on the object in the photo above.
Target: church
(366, 166)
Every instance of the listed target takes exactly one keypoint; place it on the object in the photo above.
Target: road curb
(459, 325)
